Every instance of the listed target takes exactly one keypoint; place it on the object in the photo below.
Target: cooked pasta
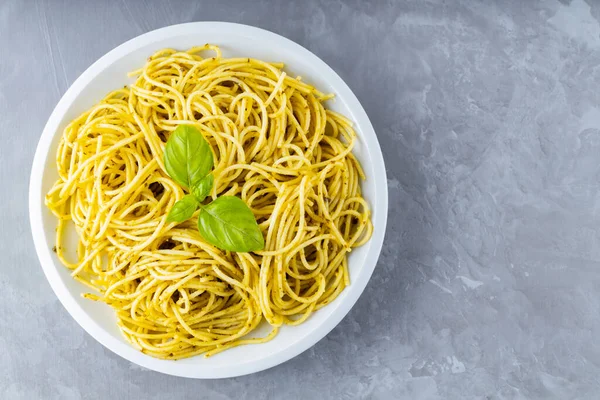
(275, 146)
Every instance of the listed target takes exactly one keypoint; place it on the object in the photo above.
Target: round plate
(110, 72)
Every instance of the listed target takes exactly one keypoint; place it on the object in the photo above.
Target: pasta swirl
(276, 147)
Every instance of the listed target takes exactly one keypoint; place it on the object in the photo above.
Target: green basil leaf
(183, 209)
(203, 188)
(228, 223)
(188, 157)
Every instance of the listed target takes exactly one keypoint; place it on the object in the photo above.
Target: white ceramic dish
(110, 72)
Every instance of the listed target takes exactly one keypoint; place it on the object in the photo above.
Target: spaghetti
(276, 147)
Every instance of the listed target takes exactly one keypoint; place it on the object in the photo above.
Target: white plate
(110, 72)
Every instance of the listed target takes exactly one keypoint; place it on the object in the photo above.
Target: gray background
(489, 280)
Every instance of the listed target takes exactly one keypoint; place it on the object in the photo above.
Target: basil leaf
(183, 209)
(203, 188)
(188, 157)
(228, 223)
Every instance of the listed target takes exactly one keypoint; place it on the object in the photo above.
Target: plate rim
(127, 351)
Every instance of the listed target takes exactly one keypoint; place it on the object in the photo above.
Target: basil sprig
(227, 222)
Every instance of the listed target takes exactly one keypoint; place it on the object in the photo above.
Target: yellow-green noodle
(276, 147)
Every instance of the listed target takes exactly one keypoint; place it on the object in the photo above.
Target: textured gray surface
(489, 281)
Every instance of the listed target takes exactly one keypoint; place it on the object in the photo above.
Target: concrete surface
(489, 117)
